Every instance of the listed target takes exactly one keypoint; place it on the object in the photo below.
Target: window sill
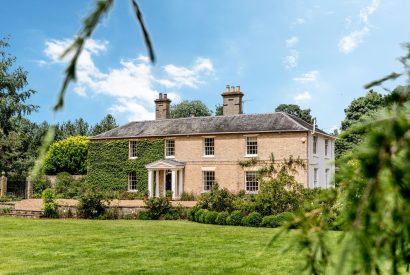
(250, 156)
(132, 157)
(170, 157)
(251, 192)
(208, 156)
(315, 155)
(132, 191)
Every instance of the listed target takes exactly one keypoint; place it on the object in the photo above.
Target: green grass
(131, 246)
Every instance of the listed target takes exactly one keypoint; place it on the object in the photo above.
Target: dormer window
(170, 148)
(132, 149)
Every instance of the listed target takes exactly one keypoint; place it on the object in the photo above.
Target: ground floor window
(208, 179)
(132, 181)
(251, 182)
(315, 178)
(327, 177)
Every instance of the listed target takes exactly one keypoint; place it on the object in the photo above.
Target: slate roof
(244, 123)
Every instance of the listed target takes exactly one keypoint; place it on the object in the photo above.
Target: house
(200, 151)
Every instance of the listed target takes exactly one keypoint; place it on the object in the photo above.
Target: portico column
(150, 183)
(181, 183)
(173, 184)
(157, 183)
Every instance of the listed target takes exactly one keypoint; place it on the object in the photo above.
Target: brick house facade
(200, 151)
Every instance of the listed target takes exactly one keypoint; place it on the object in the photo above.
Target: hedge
(109, 166)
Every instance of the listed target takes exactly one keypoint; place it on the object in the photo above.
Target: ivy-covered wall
(108, 163)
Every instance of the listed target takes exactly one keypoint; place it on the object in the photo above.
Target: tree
(357, 111)
(219, 110)
(295, 110)
(15, 131)
(12, 98)
(106, 124)
(68, 155)
(190, 108)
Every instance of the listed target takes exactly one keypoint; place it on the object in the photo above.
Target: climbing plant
(109, 165)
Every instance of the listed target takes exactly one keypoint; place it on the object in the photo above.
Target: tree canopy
(294, 109)
(357, 111)
(190, 108)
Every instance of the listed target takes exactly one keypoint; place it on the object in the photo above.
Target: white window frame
(326, 147)
(246, 182)
(205, 174)
(166, 148)
(314, 145)
(132, 152)
(132, 176)
(205, 147)
(315, 177)
(247, 146)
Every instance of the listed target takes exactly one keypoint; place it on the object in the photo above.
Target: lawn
(133, 246)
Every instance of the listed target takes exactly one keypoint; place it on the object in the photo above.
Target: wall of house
(229, 151)
(321, 161)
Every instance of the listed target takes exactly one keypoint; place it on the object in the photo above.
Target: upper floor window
(132, 181)
(314, 144)
(208, 179)
(132, 149)
(326, 146)
(251, 146)
(315, 178)
(327, 177)
(209, 146)
(169, 148)
(251, 182)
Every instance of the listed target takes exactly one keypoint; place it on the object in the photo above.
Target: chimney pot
(232, 88)
(227, 88)
(165, 96)
(160, 95)
(238, 88)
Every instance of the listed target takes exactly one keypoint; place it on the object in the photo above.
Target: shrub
(191, 213)
(157, 207)
(68, 187)
(245, 203)
(277, 220)
(254, 219)
(68, 155)
(221, 218)
(201, 218)
(144, 215)
(91, 205)
(172, 214)
(182, 211)
(49, 205)
(235, 218)
(216, 200)
(187, 196)
(198, 214)
(210, 217)
(40, 183)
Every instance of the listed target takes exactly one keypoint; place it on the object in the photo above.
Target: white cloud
(291, 60)
(307, 77)
(183, 76)
(292, 42)
(132, 84)
(350, 41)
(302, 96)
(369, 10)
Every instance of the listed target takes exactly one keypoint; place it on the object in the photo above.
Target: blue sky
(317, 54)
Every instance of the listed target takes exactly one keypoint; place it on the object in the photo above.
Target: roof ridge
(294, 120)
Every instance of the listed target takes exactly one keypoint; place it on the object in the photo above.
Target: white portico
(165, 175)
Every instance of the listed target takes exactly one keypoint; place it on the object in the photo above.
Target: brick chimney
(232, 100)
(162, 107)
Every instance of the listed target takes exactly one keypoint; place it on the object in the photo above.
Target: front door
(168, 180)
